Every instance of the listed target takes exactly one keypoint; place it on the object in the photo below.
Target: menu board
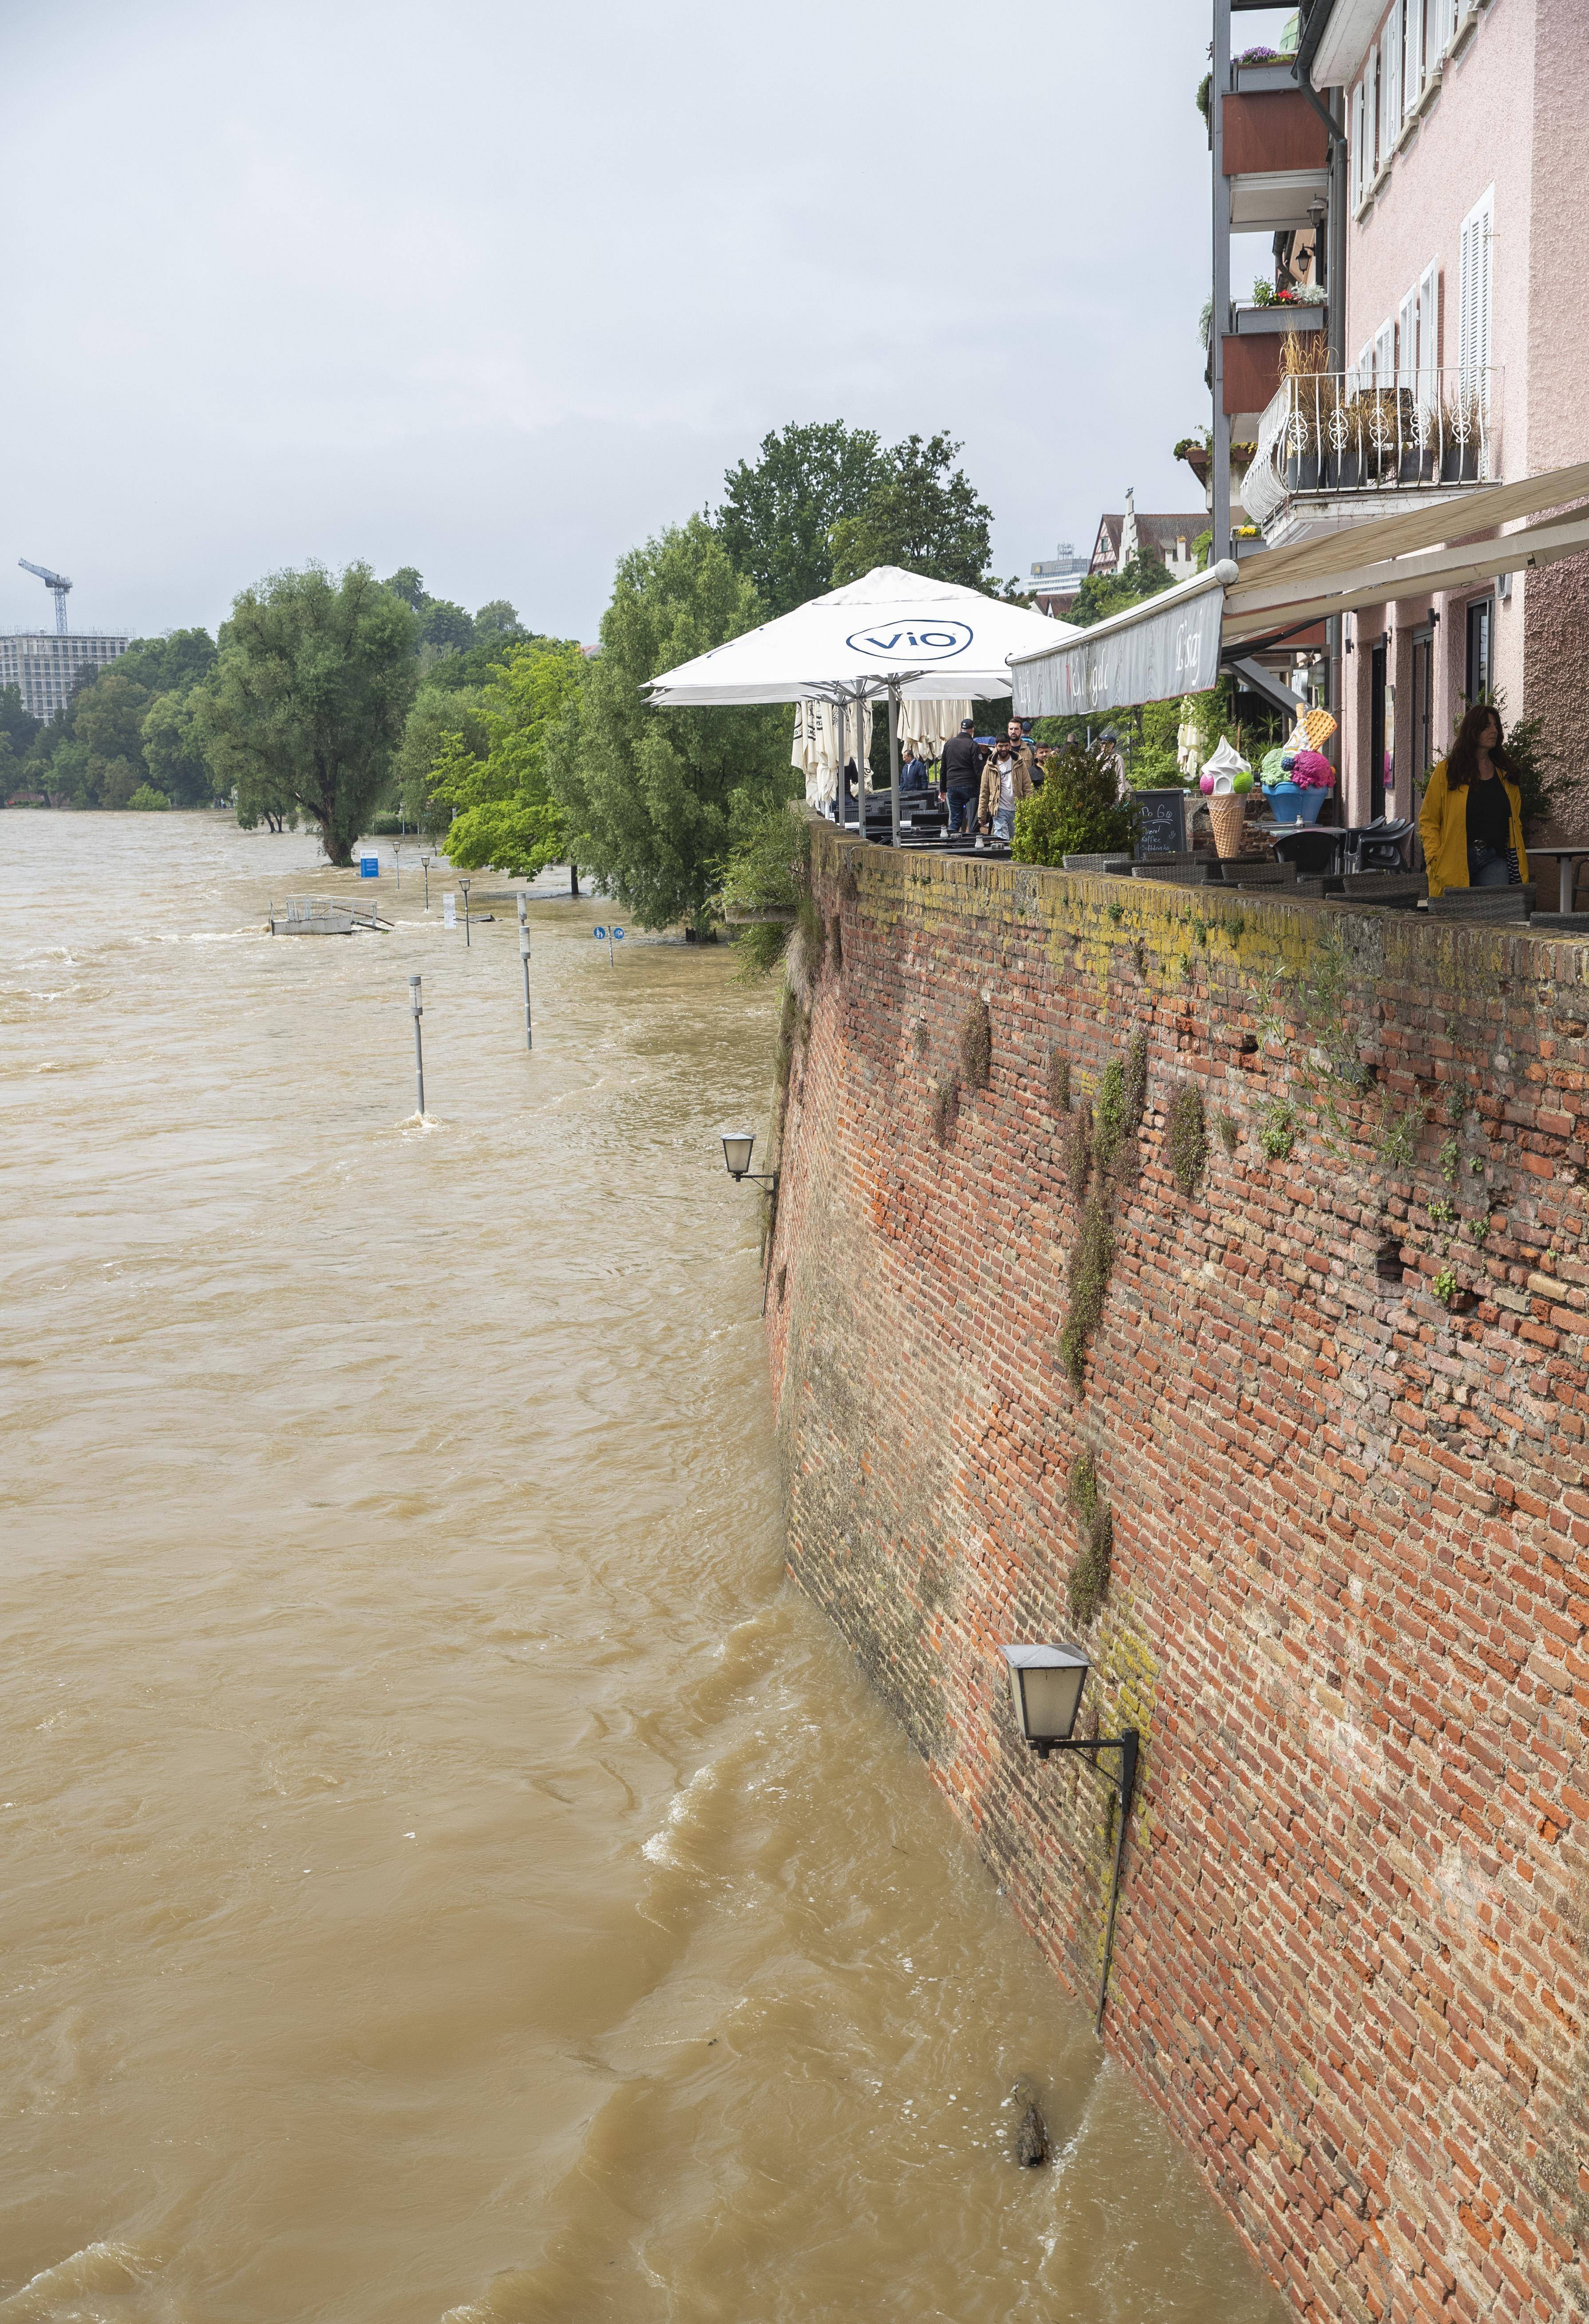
(1163, 828)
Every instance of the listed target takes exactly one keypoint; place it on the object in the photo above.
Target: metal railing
(1332, 432)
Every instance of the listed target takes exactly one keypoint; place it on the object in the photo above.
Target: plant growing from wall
(1230, 1131)
(1095, 1525)
(1279, 1133)
(976, 1046)
(1060, 1081)
(1187, 1137)
(1122, 1098)
(943, 1110)
(1078, 1151)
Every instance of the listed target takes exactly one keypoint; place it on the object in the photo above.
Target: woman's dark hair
(1462, 760)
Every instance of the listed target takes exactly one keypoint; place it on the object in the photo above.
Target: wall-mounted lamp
(1047, 1684)
(736, 1158)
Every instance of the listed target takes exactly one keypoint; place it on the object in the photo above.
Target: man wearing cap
(961, 766)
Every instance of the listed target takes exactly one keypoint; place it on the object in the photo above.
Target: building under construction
(45, 666)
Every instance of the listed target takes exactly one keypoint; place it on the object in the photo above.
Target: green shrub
(148, 801)
(1279, 1133)
(1076, 812)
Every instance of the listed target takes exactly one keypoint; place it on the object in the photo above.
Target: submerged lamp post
(465, 886)
(1046, 1684)
(413, 996)
(425, 868)
(524, 957)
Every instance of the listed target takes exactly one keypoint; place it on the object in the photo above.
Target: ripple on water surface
(450, 1873)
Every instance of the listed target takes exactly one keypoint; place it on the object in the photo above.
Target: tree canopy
(921, 512)
(651, 796)
(778, 514)
(308, 700)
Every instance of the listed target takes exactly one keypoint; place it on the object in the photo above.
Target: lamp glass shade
(1046, 1684)
(737, 1151)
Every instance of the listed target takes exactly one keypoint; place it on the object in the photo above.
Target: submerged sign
(1154, 656)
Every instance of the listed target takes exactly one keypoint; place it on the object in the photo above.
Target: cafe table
(1568, 854)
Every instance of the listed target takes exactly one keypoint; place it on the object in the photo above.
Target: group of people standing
(985, 783)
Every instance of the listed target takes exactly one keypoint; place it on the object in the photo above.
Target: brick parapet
(1351, 1558)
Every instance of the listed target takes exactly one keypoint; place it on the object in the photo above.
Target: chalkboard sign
(1163, 828)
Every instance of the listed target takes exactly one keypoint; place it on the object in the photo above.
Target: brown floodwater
(449, 1873)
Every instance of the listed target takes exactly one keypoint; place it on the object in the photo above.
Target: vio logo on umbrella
(902, 641)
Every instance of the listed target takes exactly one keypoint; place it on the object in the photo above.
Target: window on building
(1412, 50)
(1423, 702)
(1481, 630)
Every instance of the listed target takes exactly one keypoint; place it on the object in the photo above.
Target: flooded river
(449, 1872)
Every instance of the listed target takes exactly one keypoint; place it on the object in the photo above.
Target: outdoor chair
(1314, 853)
(1377, 846)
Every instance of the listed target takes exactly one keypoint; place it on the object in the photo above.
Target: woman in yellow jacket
(1471, 821)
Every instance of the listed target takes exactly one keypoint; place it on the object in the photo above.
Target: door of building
(1481, 630)
(1423, 702)
(1378, 731)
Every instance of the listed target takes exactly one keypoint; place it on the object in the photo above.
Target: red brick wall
(1351, 1564)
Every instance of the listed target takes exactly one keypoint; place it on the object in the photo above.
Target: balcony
(1333, 450)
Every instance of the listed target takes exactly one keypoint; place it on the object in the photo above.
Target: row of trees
(326, 698)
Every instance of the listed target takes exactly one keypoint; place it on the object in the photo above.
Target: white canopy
(928, 639)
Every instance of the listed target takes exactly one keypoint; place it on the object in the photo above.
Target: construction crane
(57, 585)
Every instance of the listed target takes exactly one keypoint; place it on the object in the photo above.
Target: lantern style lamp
(737, 1145)
(1047, 1684)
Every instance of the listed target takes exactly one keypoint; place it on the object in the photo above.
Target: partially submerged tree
(507, 817)
(307, 703)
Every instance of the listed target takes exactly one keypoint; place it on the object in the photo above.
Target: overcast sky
(498, 290)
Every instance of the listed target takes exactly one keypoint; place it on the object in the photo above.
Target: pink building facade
(1466, 312)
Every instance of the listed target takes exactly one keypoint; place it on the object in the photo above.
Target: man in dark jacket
(962, 772)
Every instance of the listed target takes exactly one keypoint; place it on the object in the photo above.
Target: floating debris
(1031, 2132)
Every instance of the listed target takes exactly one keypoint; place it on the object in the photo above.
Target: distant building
(44, 665)
(1055, 580)
(1122, 537)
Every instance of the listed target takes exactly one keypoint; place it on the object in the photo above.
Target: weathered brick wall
(1350, 1575)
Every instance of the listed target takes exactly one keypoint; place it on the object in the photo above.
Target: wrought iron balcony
(1330, 438)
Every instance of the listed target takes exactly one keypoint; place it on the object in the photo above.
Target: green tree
(778, 513)
(306, 703)
(19, 725)
(173, 749)
(108, 715)
(170, 664)
(506, 815)
(147, 799)
(1077, 812)
(439, 712)
(920, 512)
(500, 622)
(650, 795)
(1103, 594)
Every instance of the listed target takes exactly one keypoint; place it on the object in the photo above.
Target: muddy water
(448, 1872)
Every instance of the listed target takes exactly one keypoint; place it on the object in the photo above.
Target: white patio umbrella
(817, 747)
(891, 634)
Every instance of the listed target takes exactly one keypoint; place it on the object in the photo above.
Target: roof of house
(1161, 532)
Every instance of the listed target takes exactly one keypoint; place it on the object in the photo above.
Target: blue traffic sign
(598, 930)
(617, 935)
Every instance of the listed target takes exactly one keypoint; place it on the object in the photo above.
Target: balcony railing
(1330, 432)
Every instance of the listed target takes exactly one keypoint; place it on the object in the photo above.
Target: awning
(1172, 644)
(1156, 651)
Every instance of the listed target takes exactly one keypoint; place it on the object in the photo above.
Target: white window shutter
(1359, 119)
(1412, 78)
(1428, 331)
(1385, 355)
(1407, 341)
(1372, 144)
(1391, 83)
(1473, 322)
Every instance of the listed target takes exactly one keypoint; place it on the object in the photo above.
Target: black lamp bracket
(1128, 1745)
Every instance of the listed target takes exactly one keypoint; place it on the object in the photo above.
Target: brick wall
(1350, 1573)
